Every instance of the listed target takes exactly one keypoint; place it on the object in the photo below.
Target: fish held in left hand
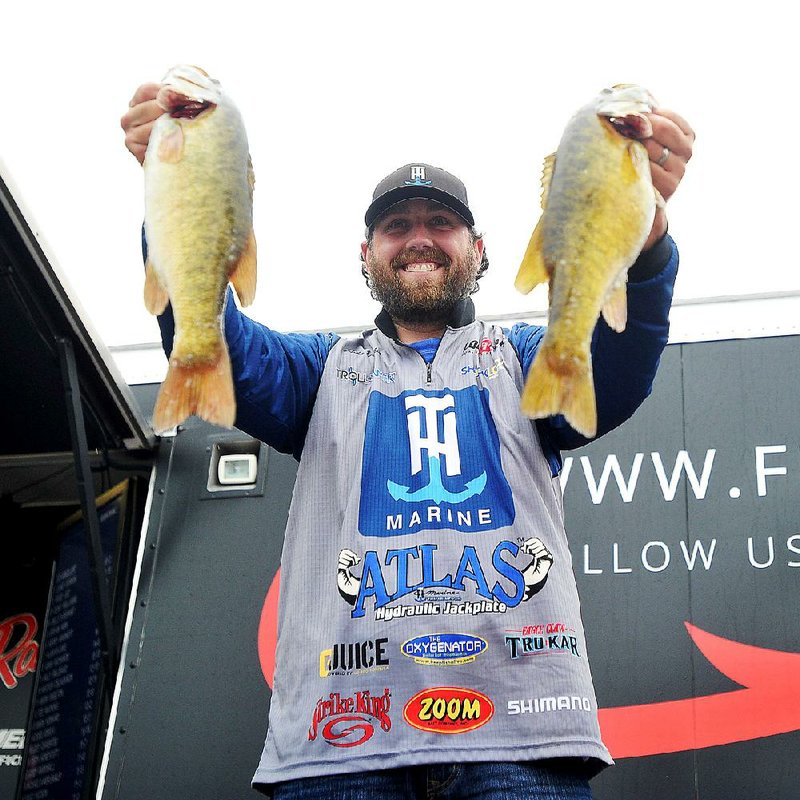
(598, 206)
(199, 228)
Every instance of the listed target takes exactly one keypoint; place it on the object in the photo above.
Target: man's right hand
(138, 121)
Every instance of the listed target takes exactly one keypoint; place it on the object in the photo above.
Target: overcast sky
(336, 95)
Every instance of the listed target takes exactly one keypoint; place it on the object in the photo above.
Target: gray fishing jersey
(428, 608)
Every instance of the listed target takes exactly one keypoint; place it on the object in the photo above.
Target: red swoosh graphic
(268, 629)
(768, 704)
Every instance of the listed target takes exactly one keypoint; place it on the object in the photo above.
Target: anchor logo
(423, 415)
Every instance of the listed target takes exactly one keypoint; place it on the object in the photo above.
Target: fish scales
(598, 207)
(593, 179)
(210, 231)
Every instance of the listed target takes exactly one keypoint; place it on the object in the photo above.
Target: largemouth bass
(598, 206)
(199, 227)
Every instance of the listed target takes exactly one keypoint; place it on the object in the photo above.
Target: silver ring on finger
(662, 159)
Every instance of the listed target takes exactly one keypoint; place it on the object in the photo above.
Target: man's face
(421, 260)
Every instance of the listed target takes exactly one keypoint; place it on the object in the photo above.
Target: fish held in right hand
(199, 227)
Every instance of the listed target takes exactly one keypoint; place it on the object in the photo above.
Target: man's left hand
(669, 149)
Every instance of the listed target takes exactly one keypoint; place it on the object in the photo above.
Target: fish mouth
(191, 109)
(632, 126)
(182, 106)
(187, 91)
(625, 107)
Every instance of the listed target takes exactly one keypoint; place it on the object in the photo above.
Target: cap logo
(418, 177)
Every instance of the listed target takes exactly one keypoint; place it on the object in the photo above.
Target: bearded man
(426, 521)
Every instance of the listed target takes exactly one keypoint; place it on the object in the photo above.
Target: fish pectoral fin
(532, 270)
(170, 148)
(639, 162)
(548, 168)
(660, 201)
(155, 295)
(243, 276)
(615, 308)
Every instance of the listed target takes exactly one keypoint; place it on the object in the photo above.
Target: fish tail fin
(580, 404)
(205, 390)
(561, 385)
(532, 270)
(243, 276)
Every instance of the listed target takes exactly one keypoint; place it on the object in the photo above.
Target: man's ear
(479, 247)
(364, 249)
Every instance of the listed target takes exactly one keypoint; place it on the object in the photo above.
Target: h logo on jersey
(432, 461)
(418, 177)
(423, 416)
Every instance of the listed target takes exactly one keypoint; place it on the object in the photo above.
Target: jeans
(557, 779)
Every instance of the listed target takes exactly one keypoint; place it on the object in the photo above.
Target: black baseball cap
(419, 181)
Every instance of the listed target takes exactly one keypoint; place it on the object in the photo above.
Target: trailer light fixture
(237, 469)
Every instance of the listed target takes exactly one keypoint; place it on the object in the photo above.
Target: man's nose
(420, 238)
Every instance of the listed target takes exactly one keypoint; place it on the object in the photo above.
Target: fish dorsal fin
(170, 148)
(548, 167)
(532, 270)
(155, 295)
(615, 308)
(243, 276)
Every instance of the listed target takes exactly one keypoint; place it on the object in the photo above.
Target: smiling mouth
(425, 266)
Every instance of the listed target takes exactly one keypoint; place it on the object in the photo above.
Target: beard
(430, 300)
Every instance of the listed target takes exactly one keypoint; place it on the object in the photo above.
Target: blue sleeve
(624, 364)
(275, 375)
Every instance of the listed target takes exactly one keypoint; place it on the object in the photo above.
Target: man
(430, 642)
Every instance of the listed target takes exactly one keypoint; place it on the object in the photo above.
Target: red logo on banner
(19, 660)
(768, 704)
(268, 630)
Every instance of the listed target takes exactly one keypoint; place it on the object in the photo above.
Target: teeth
(426, 267)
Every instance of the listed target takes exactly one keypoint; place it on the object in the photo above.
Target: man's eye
(440, 221)
(395, 224)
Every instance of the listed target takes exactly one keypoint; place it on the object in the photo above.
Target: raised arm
(275, 375)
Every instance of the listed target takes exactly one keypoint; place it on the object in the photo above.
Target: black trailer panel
(193, 709)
